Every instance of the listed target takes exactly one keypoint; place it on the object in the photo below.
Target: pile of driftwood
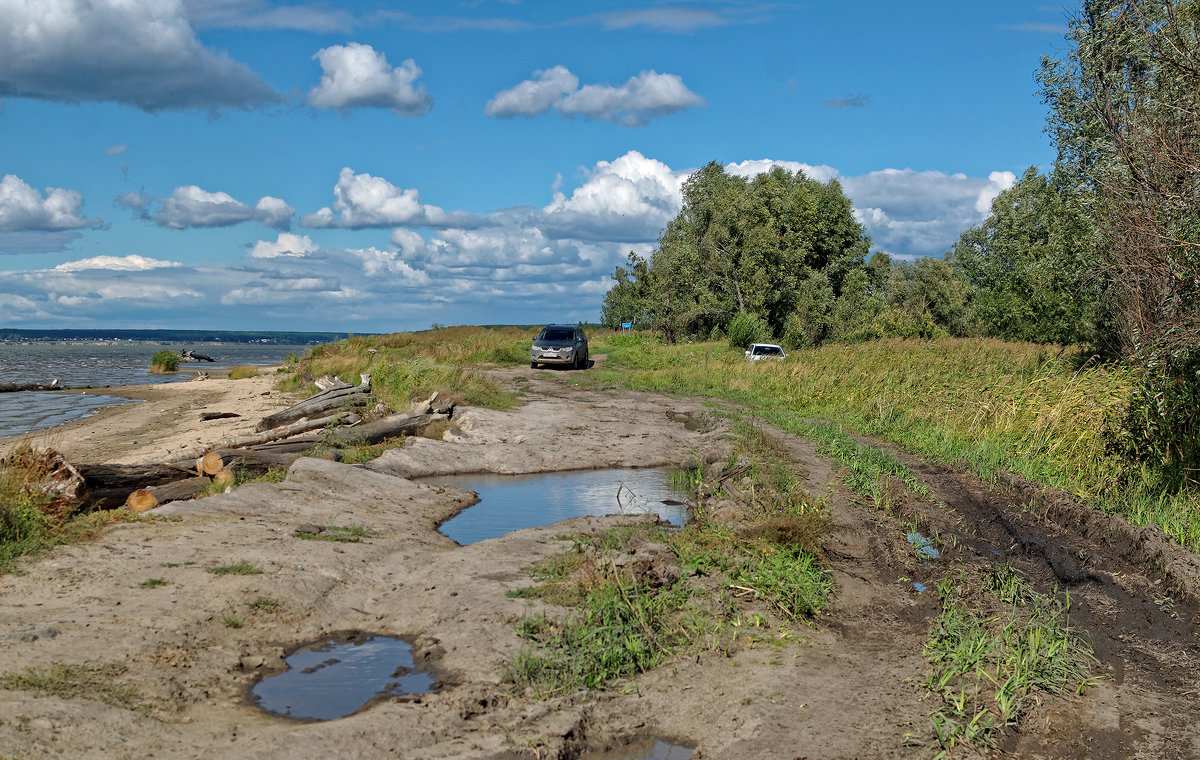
(325, 422)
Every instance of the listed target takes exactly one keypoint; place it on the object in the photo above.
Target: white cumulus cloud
(629, 199)
(752, 168)
(646, 96)
(190, 206)
(287, 244)
(357, 76)
(142, 53)
(534, 96)
(363, 200)
(23, 207)
(131, 263)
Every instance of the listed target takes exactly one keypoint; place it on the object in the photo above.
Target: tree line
(1101, 251)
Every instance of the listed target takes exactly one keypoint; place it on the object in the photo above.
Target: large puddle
(512, 502)
(337, 676)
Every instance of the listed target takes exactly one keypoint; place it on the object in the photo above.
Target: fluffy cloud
(131, 263)
(142, 53)
(24, 208)
(190, 206)
(287, 244)
(630, 199)
(752, 168)
(356, 76)
(533, 96)
(363, 200)
(913, 213)
(645, 97)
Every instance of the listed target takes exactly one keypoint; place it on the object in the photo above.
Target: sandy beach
(162, 418)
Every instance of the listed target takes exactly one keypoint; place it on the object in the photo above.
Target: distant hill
(175, 336)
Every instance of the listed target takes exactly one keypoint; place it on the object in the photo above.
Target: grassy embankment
(992, 405)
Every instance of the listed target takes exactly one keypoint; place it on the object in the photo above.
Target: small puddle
(337, 676)
(645, 749)
(920, 587)
(513, 502)
(925, 548)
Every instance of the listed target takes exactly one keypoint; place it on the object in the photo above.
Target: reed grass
(1042, 412)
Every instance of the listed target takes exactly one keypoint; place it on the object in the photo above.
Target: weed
(232, 621)
(90, 680)
(995, 644)
(241, 372)
(153, 583)
(262, 604)
(344, 534)
(34, 513)
(237, 568)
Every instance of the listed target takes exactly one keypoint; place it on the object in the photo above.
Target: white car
(764, 351)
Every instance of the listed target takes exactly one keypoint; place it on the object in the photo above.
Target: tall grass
(1034, 410)
(405, 367)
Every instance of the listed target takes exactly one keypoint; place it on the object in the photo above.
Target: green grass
(230, 620)
(262, 604)
(986, 404)
(405, 367)
(996, 645)
(90, 681)
(344, 534)
(237, 568)
(619, 623)
(243, 371)
(153, 583)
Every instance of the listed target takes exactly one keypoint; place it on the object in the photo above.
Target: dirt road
(844, 687)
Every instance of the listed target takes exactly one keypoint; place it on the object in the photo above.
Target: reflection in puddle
(330, 679)
(512, 502)
(925, 548)
(646, 749)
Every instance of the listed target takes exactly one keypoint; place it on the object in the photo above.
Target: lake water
(78, 364)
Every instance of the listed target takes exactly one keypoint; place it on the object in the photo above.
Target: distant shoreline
(205, 337)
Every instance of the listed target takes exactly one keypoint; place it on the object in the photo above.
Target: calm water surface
(512, 502)
(77, 364)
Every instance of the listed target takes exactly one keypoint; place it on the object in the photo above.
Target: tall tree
(1030, 264)
(1125, 114)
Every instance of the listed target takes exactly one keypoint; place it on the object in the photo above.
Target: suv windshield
(558, 333)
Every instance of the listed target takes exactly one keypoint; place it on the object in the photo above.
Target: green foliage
(1125, 114)
(343, 534)
(1030, 264)
(90, 681)
(153, 583)
(746, 329)
(237, 568)
(164, 361)
(994, 646)
(739, 246)
(33, 515)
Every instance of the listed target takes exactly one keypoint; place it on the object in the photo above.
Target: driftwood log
(338, 397)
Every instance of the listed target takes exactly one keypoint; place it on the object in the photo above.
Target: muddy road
(143, 607)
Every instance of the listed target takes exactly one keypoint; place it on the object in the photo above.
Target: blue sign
(626, 325)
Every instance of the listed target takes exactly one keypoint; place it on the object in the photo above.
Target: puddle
(337, 676)
(920, 587)
(512, 502)
(645, 749)
(925, 548)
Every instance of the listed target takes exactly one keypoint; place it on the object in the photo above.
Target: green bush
(164, 361)
(746, 329)
(1162, 422)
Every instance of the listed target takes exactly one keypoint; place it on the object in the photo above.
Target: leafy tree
(1125, 114)
(629, 299)
(745, 247)
(1029, 265)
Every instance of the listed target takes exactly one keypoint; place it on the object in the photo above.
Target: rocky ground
(844, 687)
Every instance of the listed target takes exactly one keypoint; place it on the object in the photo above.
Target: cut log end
(224, 477)
(141, 500)
(211, 463)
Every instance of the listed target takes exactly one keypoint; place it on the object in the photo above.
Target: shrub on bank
(163, 362)
(241, 372)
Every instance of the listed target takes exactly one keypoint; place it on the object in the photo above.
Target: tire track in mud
(1144, 638)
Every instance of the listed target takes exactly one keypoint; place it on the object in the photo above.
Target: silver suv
(560, 344)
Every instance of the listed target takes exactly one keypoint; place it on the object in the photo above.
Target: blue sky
(382, 166)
